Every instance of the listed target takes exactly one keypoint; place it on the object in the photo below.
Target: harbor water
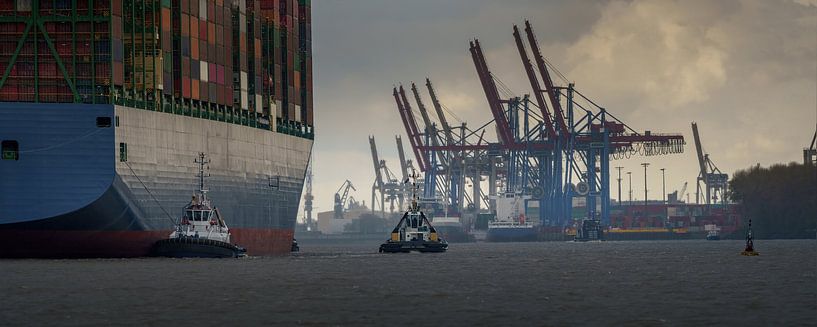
(646, 283)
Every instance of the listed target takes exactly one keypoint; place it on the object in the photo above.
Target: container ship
(452, 230)
(104, 105)
(510, 224)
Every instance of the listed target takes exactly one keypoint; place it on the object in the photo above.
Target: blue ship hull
(73, 192)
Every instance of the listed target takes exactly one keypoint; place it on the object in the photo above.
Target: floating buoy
(750, 245)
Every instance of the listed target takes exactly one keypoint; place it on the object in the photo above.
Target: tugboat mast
(202, 160)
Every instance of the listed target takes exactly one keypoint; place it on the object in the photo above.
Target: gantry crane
(712, 183)
(341, 196)
(541, 152)
(386, 183)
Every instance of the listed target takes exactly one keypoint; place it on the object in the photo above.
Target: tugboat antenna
(202, 160)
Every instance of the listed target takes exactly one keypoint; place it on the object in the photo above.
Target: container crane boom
(549, 87)
(699, 149)
(404, 165)
(422, 108)
(492, 95)
(411, 128)
(449, 136)
(534, 83)
(378, 176)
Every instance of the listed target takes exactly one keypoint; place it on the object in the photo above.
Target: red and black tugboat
(201, 231)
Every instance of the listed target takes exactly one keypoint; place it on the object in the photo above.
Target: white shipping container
(23, 5)
(243, 81)
(203, 9)
(203, 76)
(298, 113)
(258, 104)
(279, 109)
(244, 99)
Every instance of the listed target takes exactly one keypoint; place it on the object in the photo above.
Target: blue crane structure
(553, 147)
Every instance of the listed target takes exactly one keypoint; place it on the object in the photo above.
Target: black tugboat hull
(419, 246)
(196, 248)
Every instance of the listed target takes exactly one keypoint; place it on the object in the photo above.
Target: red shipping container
(203, 50)
(194, 27)
(116, 21)
(186, 66)
(116, 10)
(203, 30)
(195, 88)
(186, 87)
(220, 74)
(185, 25)
(166, 23)
(194, 49)
(118, 74)
(203, 91)
(211, 12)
(194, 7)
(211, 33)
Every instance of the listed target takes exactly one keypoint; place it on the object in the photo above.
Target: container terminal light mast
(552, 148)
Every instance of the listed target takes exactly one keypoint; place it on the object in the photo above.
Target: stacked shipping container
(242, 61)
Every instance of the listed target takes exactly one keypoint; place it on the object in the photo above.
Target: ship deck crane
(341, 196)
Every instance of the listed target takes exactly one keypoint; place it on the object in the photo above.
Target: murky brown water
(486, 284)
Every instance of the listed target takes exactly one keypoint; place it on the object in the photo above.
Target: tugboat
(295, 247)
(713, 232)
(750, 244)
(201, 232)
(590, 230)
(414, 232)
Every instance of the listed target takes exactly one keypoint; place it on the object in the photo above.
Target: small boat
(713, 232)
(201, 232)
(749, 250)
(414, 232)
(295, 247)
(589, 231)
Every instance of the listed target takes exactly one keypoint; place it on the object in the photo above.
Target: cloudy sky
(746, 71)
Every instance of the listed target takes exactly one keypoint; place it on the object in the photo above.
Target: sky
(745, 71)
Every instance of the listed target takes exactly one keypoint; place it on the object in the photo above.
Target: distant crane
(378, 177)
(308, 197)
(677, 196)
(711, 180)
(683, 191)
(386, 183)
(340, 198)
(810, 154)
